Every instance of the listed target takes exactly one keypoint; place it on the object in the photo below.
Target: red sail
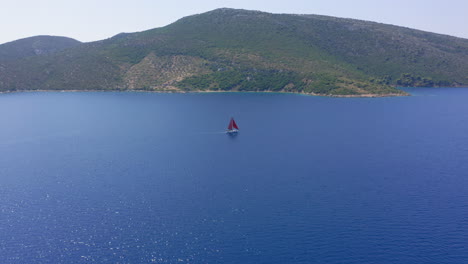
(234, 124)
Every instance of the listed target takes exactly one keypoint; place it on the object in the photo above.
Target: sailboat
(232, 128)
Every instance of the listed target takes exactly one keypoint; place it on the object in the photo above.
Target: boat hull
(232, 131)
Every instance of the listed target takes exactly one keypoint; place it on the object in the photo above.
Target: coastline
(212, 91)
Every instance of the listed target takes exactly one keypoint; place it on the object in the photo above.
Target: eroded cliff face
(163, 72)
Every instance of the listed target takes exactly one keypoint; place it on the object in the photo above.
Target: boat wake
(211, 133)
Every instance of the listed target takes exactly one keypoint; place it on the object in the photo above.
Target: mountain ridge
(242, 50)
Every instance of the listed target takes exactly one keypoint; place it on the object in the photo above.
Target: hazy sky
(89, 20)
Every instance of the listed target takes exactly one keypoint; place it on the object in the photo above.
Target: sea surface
(104, 177)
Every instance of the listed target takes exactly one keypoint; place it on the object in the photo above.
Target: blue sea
(104, 177)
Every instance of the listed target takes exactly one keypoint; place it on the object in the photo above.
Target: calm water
(141, 178)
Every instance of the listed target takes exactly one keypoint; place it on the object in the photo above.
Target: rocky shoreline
(213, 91)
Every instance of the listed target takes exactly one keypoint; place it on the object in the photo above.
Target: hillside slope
(34, 46)
(239, 50)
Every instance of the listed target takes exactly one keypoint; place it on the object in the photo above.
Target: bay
(145, 177)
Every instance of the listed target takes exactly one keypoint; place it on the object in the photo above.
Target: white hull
(232, 131)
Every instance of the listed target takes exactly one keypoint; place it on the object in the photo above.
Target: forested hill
(239, 50)
(33, 46)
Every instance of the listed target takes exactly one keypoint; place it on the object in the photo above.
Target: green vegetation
(39, 45)
(243, 81)
(239, 50)
(408, 80)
